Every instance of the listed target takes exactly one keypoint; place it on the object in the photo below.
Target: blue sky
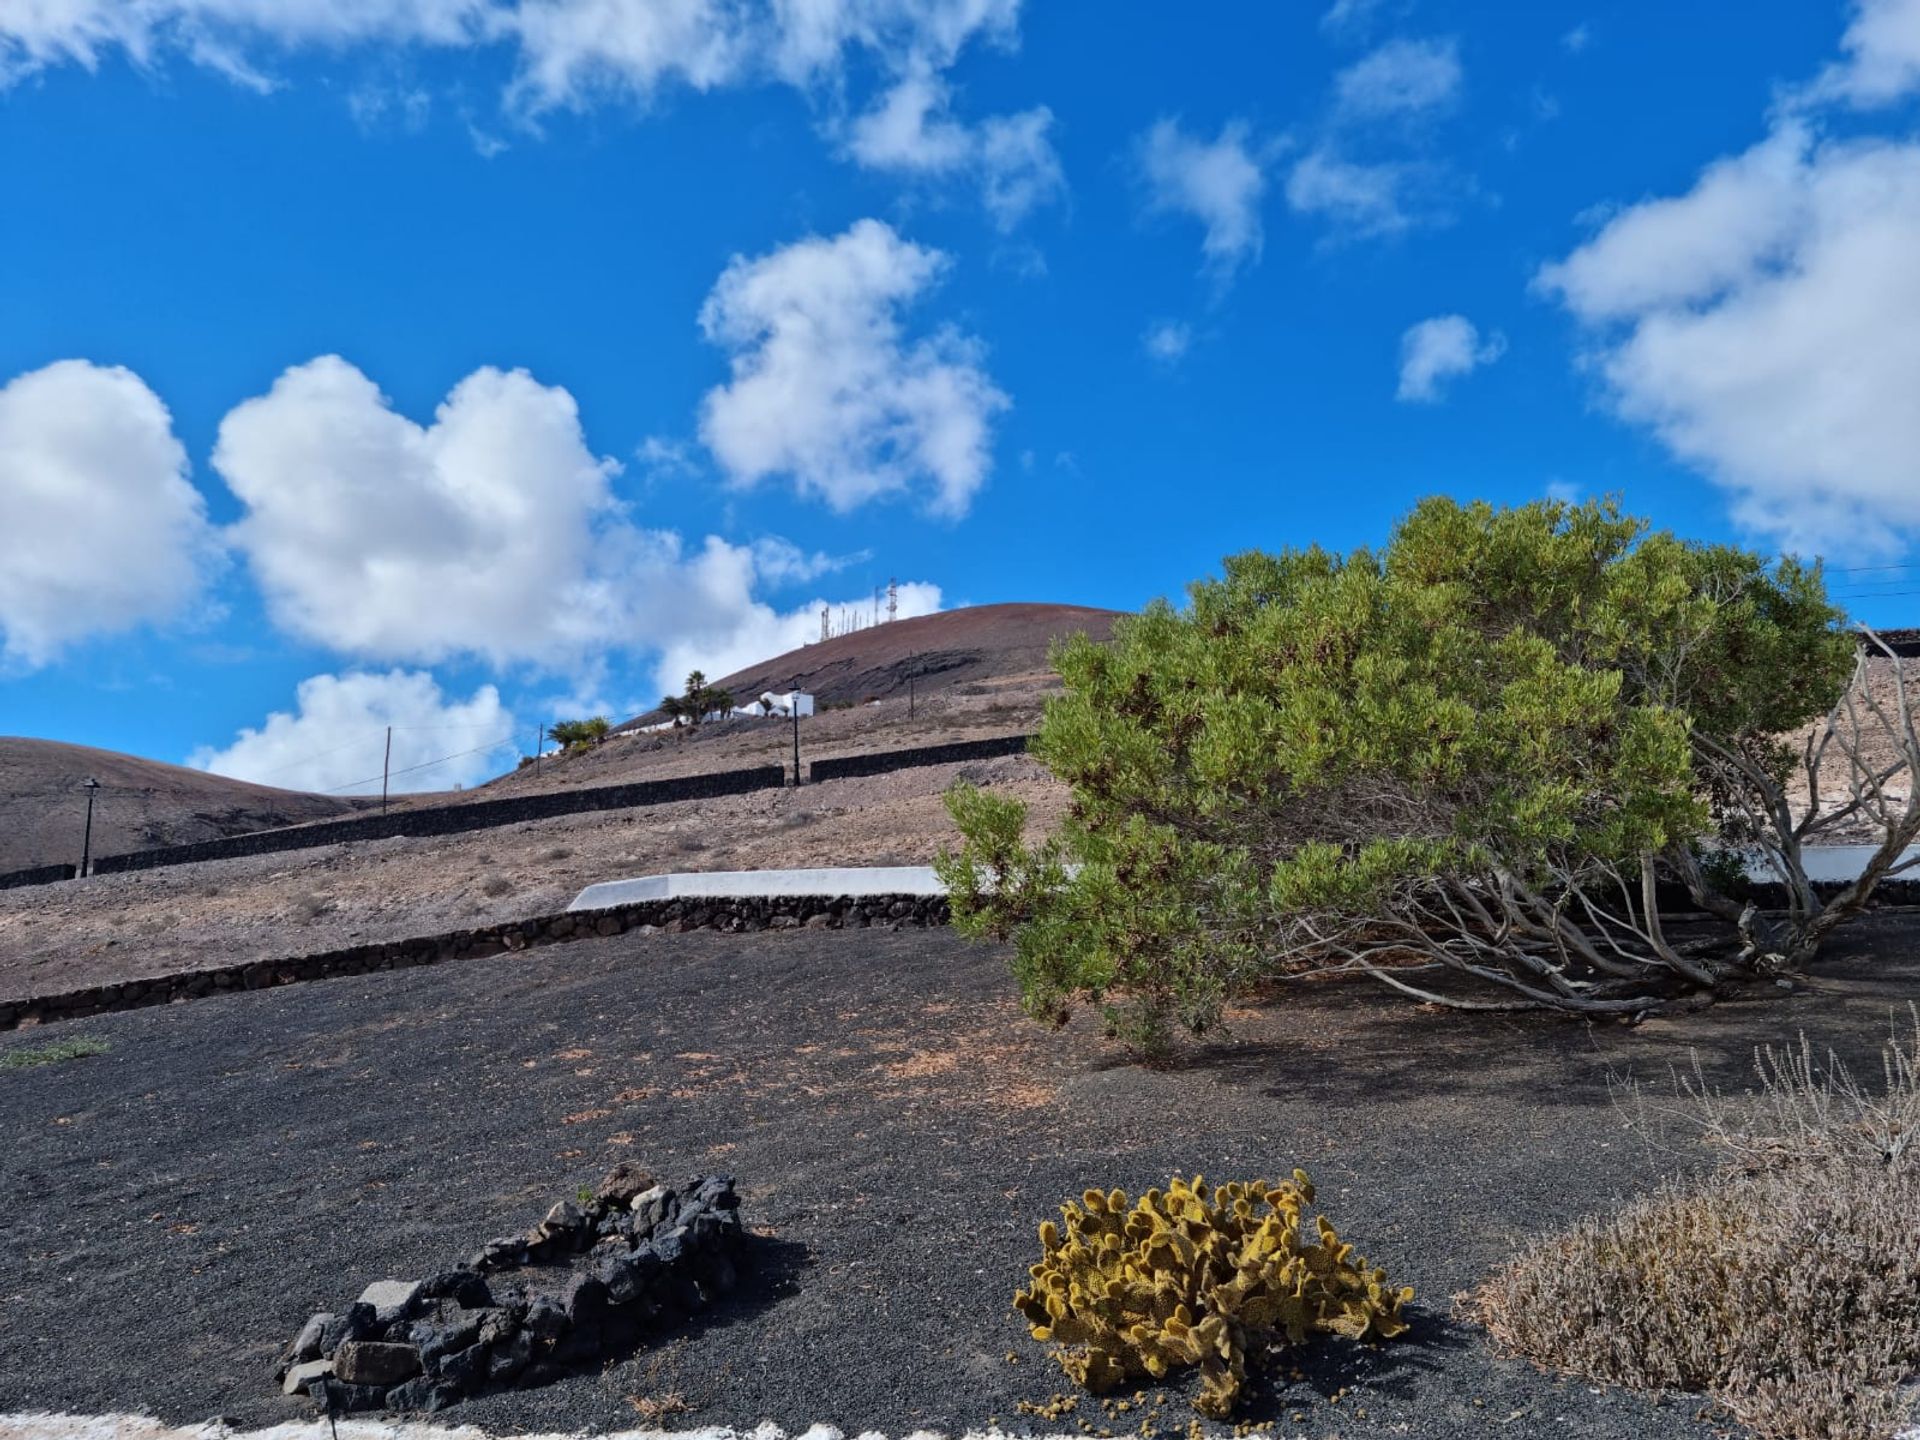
(1010, 302)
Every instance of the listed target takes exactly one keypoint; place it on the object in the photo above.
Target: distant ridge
(140, 803)
(952, 647)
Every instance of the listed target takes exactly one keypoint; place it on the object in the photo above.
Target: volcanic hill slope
(140, 803)
(990, 679)
(981, 644)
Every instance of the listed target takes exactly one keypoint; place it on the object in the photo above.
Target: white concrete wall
(844, 880)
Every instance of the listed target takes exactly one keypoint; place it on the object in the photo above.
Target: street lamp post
(91, 786)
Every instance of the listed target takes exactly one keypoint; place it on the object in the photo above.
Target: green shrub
(1786, 1285)
(1193, 1277)
(1458, 766)
(23, 1057)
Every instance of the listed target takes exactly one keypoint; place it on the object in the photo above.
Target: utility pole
(909, 697)
(91, 786)
(539, 745)
(386, 764)
(793, 704)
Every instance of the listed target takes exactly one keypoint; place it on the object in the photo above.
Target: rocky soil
(180, 1204)
(116, 927)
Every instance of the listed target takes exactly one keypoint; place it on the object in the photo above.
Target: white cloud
(1167, 340)
(1220, 183)
(491, 532)
(100, 530)
(910, 130)
(1766, 326)
(1362, 200)
(336, 737)
(1577, 39)
(568, 51)
(1440, 349)
(765, 633)
(1351, 19)
(1402, 77)
(1882, 45)
(827, 390)
(218, 33)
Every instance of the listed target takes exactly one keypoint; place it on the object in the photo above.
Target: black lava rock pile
(586, 1282)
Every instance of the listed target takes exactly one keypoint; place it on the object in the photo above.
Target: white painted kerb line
(142, 1427)
(851, 880)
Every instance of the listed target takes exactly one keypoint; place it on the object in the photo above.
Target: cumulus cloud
(1882, 64)
(491, 532)
(1401, 78)
(335, 737)
(828, 390)
(1441, 349)
(911, 130)
(100, 530)
(1766, 326)
(1219, 183)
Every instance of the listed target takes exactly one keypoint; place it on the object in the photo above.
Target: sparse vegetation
(697, 702)
(495, 886)
(1460, 766)
(24, 1057)
(310, 907)
(575, 736)
(1213, 1278)
(1786, 1285)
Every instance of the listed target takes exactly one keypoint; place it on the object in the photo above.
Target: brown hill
(954, 647)
(140, 803)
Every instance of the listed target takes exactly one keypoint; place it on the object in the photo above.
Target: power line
(425, 764)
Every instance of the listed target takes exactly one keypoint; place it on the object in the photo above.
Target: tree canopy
(1463, 764)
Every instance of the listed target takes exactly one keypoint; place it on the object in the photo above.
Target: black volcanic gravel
(175, 1208)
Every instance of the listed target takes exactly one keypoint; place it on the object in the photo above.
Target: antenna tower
(893, 601)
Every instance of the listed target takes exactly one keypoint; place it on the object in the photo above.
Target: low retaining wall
(730, 914)
(486, 814)
(881, 761)
(38, 875)
(454, 819)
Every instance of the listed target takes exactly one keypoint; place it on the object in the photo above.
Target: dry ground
(113, 927)
(177, 1205)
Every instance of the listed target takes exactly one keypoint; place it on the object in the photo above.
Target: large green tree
(1464, 765)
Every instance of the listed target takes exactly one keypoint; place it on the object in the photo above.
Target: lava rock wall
(591, 1281)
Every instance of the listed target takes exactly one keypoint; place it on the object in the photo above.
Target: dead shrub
(310, 907)
(495, 886)
(1785, 1284)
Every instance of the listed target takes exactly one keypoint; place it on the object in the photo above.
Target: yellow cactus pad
(1198, 1275)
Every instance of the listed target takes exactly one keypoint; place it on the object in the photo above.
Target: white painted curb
(716, 884)
(142, 1427)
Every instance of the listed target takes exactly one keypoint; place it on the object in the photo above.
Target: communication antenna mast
(893, 601)
(825, 633)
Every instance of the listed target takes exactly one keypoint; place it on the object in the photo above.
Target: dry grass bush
(1785, 1284)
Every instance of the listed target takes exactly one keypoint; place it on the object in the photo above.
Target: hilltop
(998, 645)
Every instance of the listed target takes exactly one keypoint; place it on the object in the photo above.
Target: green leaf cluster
(1500, 696)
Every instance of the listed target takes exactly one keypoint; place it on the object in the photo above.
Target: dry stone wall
(454, 819)
(841, 767)
(37, 875)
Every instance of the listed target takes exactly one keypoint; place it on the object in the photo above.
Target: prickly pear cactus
(1198, 1277)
